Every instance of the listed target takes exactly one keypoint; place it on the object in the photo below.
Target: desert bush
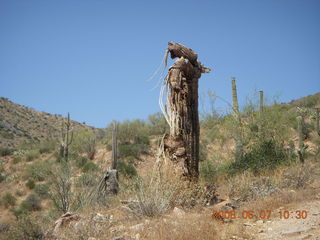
(60, 191)
(81, 161)
(248, 187)
(6, 151)
(127, 169)
(20, 193)
(57, 156)
(309, 101)
(25, 229)
(2, 177)
(42, 190)
(38, 170)
(30, 184)
(152, 199)
(84, 141)
(8, 200)
(31, 155)
(86, 180)
(90, 167)
(4, 228)
(298, 177)
(208, 170)
(157, 124)
(47, 146)
(31, 203)
(262, 155)
(16, 159)
(128, 150)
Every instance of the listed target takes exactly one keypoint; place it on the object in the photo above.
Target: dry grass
(192, 227)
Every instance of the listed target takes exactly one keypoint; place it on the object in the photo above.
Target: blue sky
(92, 58)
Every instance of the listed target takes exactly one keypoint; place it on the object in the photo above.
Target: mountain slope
(19, 123)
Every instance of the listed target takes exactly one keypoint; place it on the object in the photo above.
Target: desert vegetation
(163, 173)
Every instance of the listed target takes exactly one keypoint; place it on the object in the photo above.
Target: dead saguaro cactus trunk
(65, 138)
(181, 145)
(237, 132)
(108, 184)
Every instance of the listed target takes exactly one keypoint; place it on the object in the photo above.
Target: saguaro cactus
(114, 157)
(300, 139)
(66, 138)
(261, 101)
(181, 145)
(317, 120)
(237, 132)
(235, 103)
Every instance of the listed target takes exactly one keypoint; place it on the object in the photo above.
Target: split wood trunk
(182, 143)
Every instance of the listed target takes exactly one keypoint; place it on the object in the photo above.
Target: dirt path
(291, 228)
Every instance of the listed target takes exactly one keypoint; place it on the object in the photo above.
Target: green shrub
(20, 193)
(30, 184)
(31, 155)
(132, 150)
(2, 177)
(81, 161)
(87, 180)
(263, 155)
(47, 146)
(127, 169)
(42, 190)
(32, 203)
(84, 141)
(16, 159)
(208, 170)
(126, 150)
(44, 150)
(25, 229)
(38, 170)
(144, 140)
(4, 228)
(89, 167)
(8, 200)
(157, 124)
(6, 151)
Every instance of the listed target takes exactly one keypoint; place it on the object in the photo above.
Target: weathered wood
(181, 145)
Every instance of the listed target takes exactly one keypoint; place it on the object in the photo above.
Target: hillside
(20, 124)
(269, 177)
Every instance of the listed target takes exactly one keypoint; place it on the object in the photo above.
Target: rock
(137, 227)
(118, 238)
(137, 236)
(261, 231)
(92, 238)
(296, 231)
(178, 212)
(248, 224)
(269, 229)
(100, 218)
